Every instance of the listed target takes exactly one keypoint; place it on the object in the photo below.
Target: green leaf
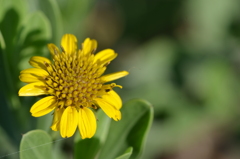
(36, 144)
(34, 36)
(52, 11)
(18, 6)
(130, 131)
(88, 148)
(127, 154)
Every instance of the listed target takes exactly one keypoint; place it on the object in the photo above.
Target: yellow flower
(74, 85)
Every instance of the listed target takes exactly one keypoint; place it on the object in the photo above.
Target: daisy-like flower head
(74, 85)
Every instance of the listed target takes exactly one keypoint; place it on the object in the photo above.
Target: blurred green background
(183, 57)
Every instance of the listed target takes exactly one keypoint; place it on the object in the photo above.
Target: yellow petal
(87, 123)
(36, 71)
(101, 71)
(109, 109)
(43, 106)
(33, 89)
(33, 75)
(29, 78)
(69, 43)
(39, 62)
(56, 119)
(113, 99)
(113, 76)
(89, 46)
(53, 49)
(69, 122)
(118, 115)
(105, 56)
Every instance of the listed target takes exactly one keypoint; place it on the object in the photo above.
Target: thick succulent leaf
(126, 154)
(36, 144)
(87, 148)
(130, 131)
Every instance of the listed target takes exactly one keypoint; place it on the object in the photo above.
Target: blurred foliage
(183, 56)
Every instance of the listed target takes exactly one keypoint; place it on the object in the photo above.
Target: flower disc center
(75, 80)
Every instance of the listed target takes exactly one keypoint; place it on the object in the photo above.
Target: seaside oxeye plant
(74, 85)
